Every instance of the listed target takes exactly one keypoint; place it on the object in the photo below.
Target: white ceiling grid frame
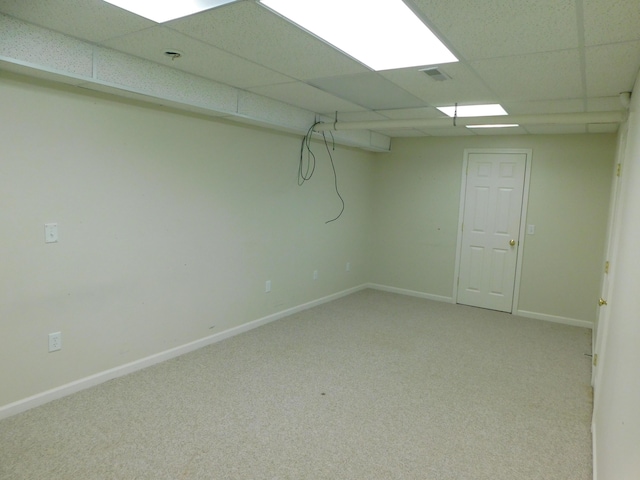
(369, 89)
(307, 96)
(524, 77)
(605, 77)
(402, 132)
(253, 32)
(465, 85)
(411, 113)
(110, 71)
(382, 35)
(624, 13)
(470, 25)
(556, 129)
(499, 131)
(571, 105)
(198, 58)
(604, 104)
(99, 20)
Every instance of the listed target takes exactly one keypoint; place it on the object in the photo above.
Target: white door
(493, 197)
(600, 328)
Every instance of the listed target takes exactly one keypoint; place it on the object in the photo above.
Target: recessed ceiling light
(381, 34)
(164, 10)
(474, 110)
(495, 125)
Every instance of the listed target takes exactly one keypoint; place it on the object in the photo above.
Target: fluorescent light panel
(489, 110)
(381, 34)
(164, 10)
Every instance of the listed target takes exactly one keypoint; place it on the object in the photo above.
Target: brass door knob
(512, 242)
(602, 302)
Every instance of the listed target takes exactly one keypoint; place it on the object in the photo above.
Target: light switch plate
(50, 232)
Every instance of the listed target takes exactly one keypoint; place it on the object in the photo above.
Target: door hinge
(606, 267)
(619, 170)
(595, 360)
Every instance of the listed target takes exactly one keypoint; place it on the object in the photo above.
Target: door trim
(523, 215)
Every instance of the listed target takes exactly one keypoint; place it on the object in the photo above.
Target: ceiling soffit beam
(523, 120)
(37, 52)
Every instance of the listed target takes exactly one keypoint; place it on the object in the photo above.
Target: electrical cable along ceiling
(554, 66)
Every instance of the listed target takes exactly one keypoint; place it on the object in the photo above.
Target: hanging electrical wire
(311, 158)
(307, 164)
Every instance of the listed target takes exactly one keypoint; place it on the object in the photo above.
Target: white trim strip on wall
(93, 380)
(521, 313)
(411, 293)
(555, 319)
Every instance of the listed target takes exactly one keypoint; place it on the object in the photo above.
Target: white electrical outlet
(55, 341)
(348, 267)
(267, 286)
(50, 232)
(315, 274)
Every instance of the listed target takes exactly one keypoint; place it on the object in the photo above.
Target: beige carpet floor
(371, 386)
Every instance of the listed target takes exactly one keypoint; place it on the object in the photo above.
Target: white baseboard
(553, 318)
(522, 313)
(101, 377)
(594, 451)
(411, 293)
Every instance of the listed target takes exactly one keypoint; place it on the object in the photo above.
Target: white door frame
(523, 215)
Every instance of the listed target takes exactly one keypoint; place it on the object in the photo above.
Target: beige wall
(417, 195)
(169, 226)
(171, 223)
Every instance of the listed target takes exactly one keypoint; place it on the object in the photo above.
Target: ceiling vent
(436, 74)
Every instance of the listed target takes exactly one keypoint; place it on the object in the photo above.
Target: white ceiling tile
(370, 90)
(539, 76)
(411, 113)
(464, 86)
(498, 28)
(306, 96)
(402, 133)
(575, 105)
(612, 69)
(363, 116)
(198, 57)
(604, 104)
(499, 131)
(602, 127)
(92, 20)
(610, 21)
(555, 129)
(250, 31)
(449, 132)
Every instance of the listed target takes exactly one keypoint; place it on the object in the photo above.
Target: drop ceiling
(532, 57)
